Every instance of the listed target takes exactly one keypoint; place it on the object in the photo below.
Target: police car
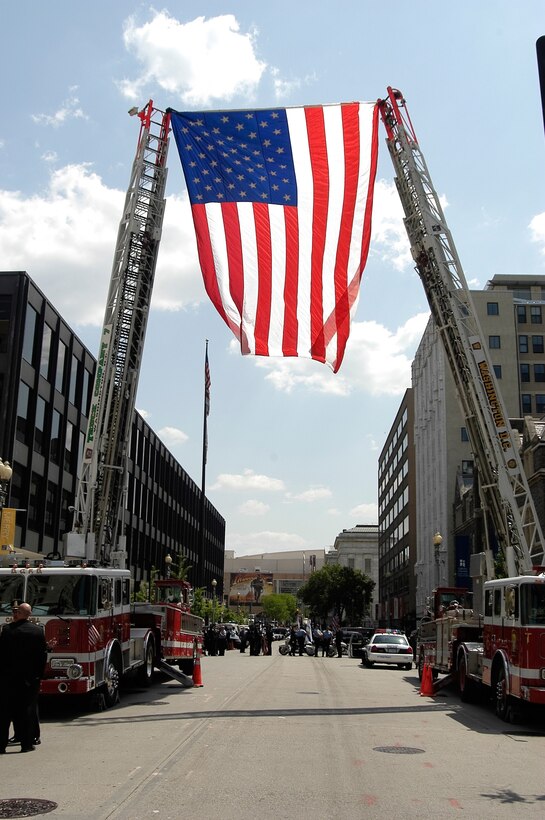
(389, 646)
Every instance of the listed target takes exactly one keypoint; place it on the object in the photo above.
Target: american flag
(281, 202)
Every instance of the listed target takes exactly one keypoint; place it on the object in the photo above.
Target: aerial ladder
(98, 523)
(504, 489)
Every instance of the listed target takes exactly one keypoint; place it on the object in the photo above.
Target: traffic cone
(426, 684)
(197, 675)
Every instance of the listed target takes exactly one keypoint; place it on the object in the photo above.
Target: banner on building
(249, 587)
(7, 527)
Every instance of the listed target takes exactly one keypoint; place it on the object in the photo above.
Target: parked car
(356, 638)
(279, 632)
(389, 646)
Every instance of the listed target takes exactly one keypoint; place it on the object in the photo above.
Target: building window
(22, 413)
(526, 404)
(523, 344)
(521, 314)
(539, 372)
(463, 434)
(61, 360)
(35, 501)
(535, 314)
(494, 342)
(39, 426)
(30, 332)
(50, 505)
(525, 372)
(467, 467)
(46, 350)
(73, 380)
(537, 344)
(5, 314)
(68, 446)
(492, 309)
(54, 443)
(497, 370)
(540, 403)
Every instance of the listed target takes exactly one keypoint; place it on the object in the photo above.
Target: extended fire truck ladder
(505, 491)
(98, 525)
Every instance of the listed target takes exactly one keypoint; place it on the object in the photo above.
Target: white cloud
(144, 413)
(70, 109)
(196, 62)
(537, 230)
(389, 239)
(65, 238)
(253, 508)
(248, 481)
(310, 495)
(377, 362)
(172, 435)
(365, 513)
(261, 542)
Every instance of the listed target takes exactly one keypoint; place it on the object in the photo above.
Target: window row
(538, 372)
(532, 404)
(69, 377)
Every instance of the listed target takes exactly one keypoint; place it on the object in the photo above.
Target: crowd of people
(258, 638)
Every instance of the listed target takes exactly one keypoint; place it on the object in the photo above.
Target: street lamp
(168, 562)
(437, 541)
(214, 585)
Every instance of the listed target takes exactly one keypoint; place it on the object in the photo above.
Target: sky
(293, 448)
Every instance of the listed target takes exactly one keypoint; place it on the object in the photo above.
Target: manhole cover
(25, 807)
(399, 750)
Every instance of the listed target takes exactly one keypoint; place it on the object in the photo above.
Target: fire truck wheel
(465, 684)
(501, 698)
(145, 672)
(111, 680)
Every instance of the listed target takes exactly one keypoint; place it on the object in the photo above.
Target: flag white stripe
(305, 195)
(250, 265)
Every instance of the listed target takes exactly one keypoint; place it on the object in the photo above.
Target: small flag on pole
(207, 383)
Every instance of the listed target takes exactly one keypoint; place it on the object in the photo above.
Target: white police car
(389, 646)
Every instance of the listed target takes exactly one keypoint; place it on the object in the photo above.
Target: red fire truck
(83, 599)
(497, 640)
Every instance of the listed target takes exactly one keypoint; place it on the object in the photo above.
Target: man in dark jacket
(23, 655)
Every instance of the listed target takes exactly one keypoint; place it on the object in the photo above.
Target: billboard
(249, 587)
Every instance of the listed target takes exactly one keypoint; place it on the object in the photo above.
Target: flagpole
(206, 410)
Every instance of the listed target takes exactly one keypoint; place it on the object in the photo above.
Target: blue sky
(293, 448)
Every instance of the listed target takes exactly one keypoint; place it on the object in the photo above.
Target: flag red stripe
(320, 174)
(233, 241)
(264, 264)
(370, 193)
(206, 259)
(291, 285)
(351, 139)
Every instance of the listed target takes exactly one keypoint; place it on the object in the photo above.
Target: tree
(338, 591)
(279, 607)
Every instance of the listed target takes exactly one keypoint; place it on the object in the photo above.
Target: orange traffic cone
(426, 685)
(197, 675)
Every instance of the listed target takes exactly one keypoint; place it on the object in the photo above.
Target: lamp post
(437, 541)
(214, 585)
(5, 477)
(168, 562)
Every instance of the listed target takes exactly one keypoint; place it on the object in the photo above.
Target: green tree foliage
(338, 591)
(279, 607)
(144, 593)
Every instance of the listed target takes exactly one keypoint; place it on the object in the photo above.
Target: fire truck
(96, 635)
(497, 640)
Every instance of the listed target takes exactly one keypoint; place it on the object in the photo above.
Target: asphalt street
(281, 737)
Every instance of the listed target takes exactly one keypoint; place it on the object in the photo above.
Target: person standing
(327, 635)
(23, 656)
(339, 643)
(317, 637)
(301, 636)
(293, 641)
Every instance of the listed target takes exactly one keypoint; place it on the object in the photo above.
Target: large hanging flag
(281, 201)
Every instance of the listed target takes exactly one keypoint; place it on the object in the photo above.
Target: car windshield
(396, 639)
(61, 594)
